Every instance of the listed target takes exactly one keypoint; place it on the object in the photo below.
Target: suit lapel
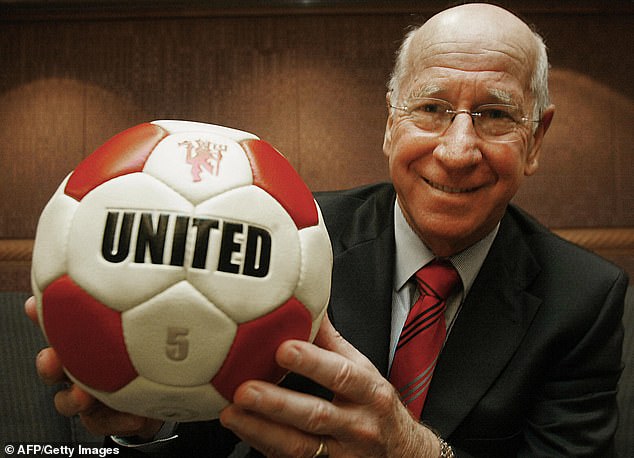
(490, 326)
(360, 306)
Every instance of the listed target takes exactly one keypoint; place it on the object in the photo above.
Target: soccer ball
(173, 261)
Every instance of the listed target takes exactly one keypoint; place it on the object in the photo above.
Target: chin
(447, 235)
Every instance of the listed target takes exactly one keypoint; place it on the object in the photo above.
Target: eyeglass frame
(524, 119)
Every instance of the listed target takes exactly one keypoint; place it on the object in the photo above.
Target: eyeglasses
(492, 122)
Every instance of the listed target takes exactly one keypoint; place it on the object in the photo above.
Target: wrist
(437, 447)
(445, 449)
(165, 432)
(153, 429)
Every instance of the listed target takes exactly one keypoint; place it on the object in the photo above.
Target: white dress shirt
(411, 255)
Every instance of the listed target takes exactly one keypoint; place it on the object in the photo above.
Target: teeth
(447, 189)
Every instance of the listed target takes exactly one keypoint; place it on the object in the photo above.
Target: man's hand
(365, 418)
(96, 417)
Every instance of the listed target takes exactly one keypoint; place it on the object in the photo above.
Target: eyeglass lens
(496, 122)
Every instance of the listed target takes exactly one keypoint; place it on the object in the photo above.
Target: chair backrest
(27, 413)
(625, 433)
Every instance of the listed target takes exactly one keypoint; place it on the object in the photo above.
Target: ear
(532, 159)
(387, 137)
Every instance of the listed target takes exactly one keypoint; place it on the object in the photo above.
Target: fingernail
(228, 417)
(38, 360)
(289, 357)
(249, 397)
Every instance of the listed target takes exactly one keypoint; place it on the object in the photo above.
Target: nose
(458, 146)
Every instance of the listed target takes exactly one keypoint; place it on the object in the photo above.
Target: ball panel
(313, 288)
(273, 173)
(178, 337)
(92, 349)
(252, 354)
(49, 249)
(199, 164)
(124, 153)
(253, 254)
(121, 243)
(177, 126)
(153, 400)
(317, 324)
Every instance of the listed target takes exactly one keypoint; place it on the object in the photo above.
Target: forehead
(483, 75)
(449, 51)
(478, 86)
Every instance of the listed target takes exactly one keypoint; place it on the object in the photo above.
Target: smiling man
(501, 338)
(453, 174)
(532, 352)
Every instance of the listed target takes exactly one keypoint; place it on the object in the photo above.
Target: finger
(298, 410)
(73, 401)
(104, 421)
(272, 439)
(353, 381)
(49, 367)
(30, 308)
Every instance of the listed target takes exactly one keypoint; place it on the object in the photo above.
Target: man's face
(453, 188)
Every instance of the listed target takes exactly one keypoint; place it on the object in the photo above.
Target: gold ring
(322, 450)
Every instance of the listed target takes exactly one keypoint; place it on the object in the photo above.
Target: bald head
(470, 35)
(477, 21)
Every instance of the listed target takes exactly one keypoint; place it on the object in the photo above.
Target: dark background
(307, 76)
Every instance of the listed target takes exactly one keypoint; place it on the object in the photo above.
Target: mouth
(449, 189)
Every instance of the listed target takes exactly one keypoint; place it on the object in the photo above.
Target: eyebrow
(431, 90)
(502, 96)
(427, 90)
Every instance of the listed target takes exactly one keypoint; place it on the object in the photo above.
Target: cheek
(508, 160)
(407, 146)
(508, 166)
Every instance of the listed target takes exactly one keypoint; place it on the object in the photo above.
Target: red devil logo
(203, 155)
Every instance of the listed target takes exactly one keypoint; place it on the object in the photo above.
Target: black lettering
(125, 231)
(202, 240)
(152, 234)
(228, 246)
(258, 253)
(179, 241)
(150, 238)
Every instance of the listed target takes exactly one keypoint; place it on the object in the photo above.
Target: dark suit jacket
(532, 363)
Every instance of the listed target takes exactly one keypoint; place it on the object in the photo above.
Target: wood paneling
(314, 93)
(311, 84)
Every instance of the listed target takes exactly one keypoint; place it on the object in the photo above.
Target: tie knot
(438, 278)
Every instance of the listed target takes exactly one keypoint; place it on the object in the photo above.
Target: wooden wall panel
(41, 136)
(341, 93)
(311, 84)
(586, 178)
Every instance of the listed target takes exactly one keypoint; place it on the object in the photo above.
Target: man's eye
(496, 114)
(428, 108)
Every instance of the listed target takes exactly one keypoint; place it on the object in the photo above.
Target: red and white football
(173, 261)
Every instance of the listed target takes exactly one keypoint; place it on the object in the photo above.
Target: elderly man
(520, 349)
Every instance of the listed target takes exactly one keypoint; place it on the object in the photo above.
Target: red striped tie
(423, 335)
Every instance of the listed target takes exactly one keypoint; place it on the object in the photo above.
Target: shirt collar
(412, 254)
